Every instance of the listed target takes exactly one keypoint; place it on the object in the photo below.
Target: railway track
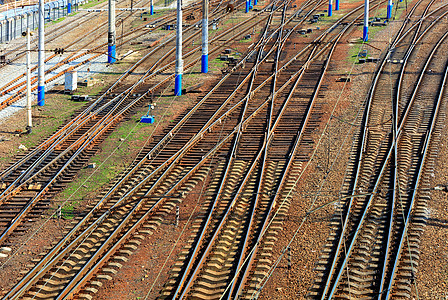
(257, 136)
(53, 163)
(374, 251)
(174, 167)
(16, 88)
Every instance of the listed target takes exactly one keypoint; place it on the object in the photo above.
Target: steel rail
(350, 245)
(293, 151)
(88, 110)
(268, 137)
(216, 233)
(14, 98)
(360, 153)
(422, 165)
(183, 287)
(21, 215)
(208, 126)
(20, 93)
(415, 40)
(84, 274)
(204, 130)
(22, 285)
(129, 91)
(161, 179)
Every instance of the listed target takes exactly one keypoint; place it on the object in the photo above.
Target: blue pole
(178, 85)
(179, 62)
(151, 8)
(40, 95)
(247, 5)
(111, 50)
(41, 58)
(204, 58)
(204, 65)
(389, 9)
(365, 31)
(255, 2)
(330, 8)
(336, 5)
(69, 7)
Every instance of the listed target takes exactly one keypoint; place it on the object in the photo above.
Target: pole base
(330, 10)
(178, 85)
(28, 129)
(41, 95)
(389, 11)
(204, 63)
(69, 8)
(247, 6)
(336, 5)
(365, 34)
(111, 54)
(151, 10)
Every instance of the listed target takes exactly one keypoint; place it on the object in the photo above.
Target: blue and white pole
(28, 80)
(389, 9)
(41, 58)
(255, 2)
(69, 7)
(111, 47)
(151, 7)
(204, 62)
(365, 31)
(179, 61)
(336, 5)
(247, 6)
(330, 8)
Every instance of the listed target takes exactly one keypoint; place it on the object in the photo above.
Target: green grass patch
(58, 20)
(91, 4)
(46, 123)
(216, 64)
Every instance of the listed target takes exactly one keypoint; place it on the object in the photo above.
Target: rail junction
(240, 175)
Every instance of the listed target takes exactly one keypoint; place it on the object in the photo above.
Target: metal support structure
(179, 62)
(41, 58)
(204, 62)
(59, 212)
(389, 9)
(288, 258)
(111, 47)
(330, 8)
(365, 31)
(28, 81)
(151, 7)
